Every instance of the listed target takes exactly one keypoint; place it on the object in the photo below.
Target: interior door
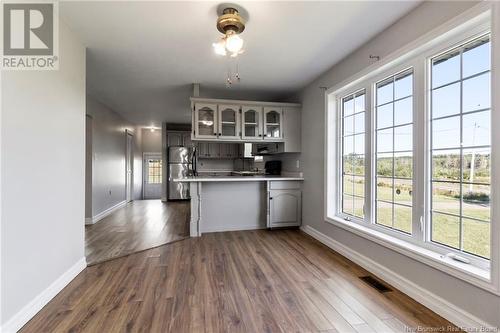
(152, 176)
(205, 121)
(251, 121)
(129, 158)
(273, 123)
(229, 122)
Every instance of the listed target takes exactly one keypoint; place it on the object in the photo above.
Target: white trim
(31, 309)
(456, 269)
(103, 214)
(451, 312)
(241, 102)
(224, 228)
(471, 22)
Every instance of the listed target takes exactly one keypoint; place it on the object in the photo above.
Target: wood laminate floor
(246, 281)
(140, 225)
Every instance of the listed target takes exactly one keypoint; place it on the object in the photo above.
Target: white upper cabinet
(251, 123)
(273, 123)
(205, 118)
(247, 121)
(228, 122)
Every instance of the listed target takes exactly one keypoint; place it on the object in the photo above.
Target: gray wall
(42, 175)
(108, 154)
(151, 141)
(423, 19)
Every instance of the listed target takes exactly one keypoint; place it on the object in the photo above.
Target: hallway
(141, 225)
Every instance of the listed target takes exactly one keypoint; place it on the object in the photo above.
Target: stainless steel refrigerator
(181, 163)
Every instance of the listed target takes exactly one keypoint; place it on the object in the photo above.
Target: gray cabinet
(179, 138)
(208, 150)
(174, 139)
(218, 150)
(285, 204)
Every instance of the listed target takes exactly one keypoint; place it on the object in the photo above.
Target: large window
(461, 152)
(410, 153)
(394, 142)
(353, 154)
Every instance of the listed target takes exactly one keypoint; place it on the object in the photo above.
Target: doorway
(153, 169)
(129, 161)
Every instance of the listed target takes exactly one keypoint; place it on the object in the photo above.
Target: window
(409, 153)
(394, 151)
(461, 148)
(353, 154)
(154, 171)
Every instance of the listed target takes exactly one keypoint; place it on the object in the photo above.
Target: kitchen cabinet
(251, 123)
(273, 123)
(208, 150)
(285, 204)
(247, 121)
(292, 139)
(205, 121)
(186, 139)
(179, 138)
(174, 139)
(218, 150)
(229, 150)
(228, 122)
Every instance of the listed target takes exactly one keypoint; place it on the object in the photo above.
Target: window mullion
(368, 153)
(420, 160)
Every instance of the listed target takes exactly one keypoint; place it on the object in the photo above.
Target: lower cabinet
(285, 208)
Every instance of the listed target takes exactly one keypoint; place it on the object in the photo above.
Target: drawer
(284, 185)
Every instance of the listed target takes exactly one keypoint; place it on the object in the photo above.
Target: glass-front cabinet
(229, 122)
(251, 127)
(273, 123)
(205, 118)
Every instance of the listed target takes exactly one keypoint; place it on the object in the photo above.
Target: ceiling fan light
(220, 48)
(234, 43)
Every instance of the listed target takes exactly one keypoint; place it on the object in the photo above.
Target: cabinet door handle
(270, 198)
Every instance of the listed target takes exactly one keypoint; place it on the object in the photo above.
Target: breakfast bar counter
(229, 203)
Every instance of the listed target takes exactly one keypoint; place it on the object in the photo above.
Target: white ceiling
(143, 56)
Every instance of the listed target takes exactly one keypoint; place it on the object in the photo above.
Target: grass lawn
(445, 228)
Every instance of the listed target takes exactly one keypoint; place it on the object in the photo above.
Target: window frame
(472, 24)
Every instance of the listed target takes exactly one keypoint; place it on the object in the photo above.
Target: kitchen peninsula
(225, 203)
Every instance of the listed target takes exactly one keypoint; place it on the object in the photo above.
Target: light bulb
(234, 43)
(220, 47)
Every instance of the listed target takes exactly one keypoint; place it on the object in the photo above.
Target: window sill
(466, 272)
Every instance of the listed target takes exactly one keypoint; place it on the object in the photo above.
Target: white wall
(108, 152)
(42, 176)
(151, 141)
(424, 18)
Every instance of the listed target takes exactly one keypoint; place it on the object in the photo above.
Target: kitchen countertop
(257, 178)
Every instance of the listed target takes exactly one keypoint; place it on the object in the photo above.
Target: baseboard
(232, 228)
(445, 309)
(103, 214)
(31, 309)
